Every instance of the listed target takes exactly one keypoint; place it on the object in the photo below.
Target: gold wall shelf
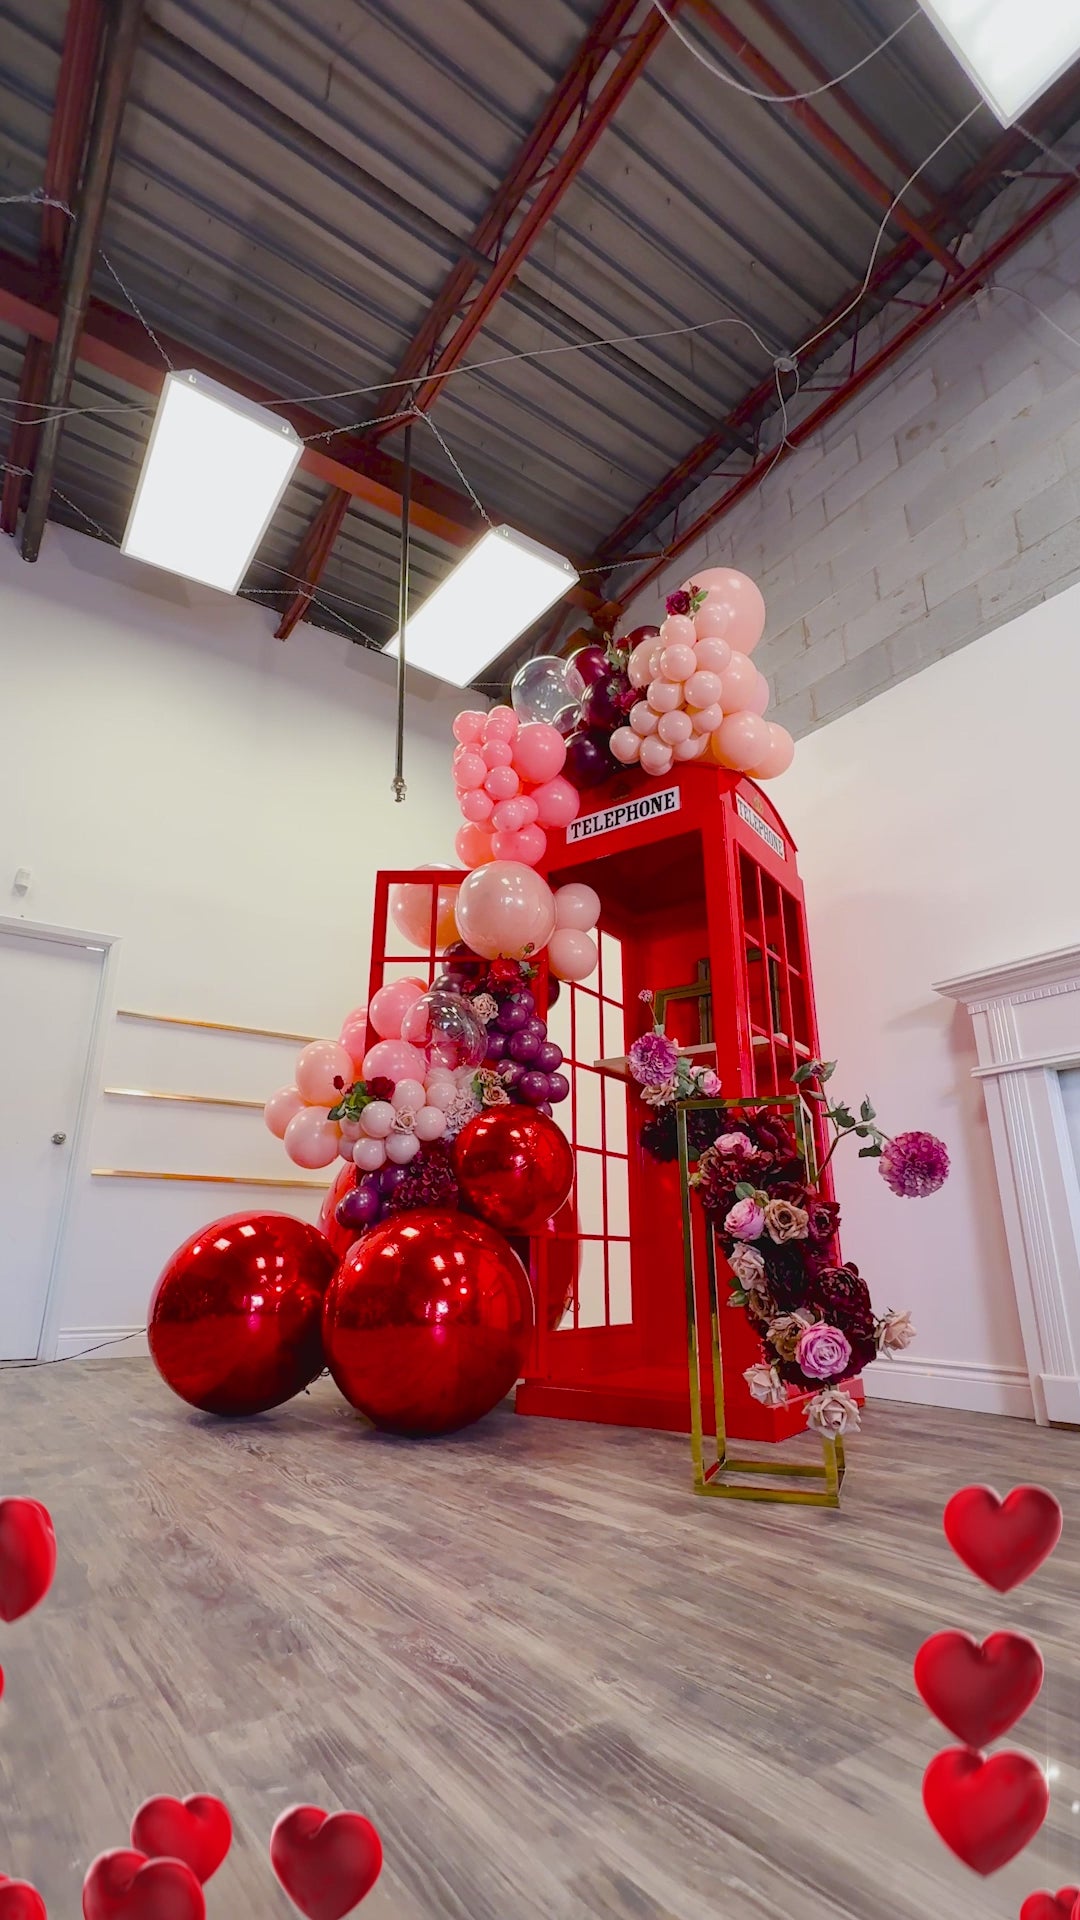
(188, 1099)
(212, 1026)
(207, 1179)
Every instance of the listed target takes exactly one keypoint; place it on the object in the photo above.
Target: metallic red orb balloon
(514, 1167)
(427, 1321)
(235, 1318)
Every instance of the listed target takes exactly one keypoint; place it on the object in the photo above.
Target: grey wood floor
(559, 1684)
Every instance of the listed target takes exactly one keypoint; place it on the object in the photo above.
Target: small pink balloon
(702, 689)
(429, 1124)
(401, 1148)
(377, 1119)
(759, 699)
(350, 1131)
(508, 816)
(280, 1108)
(674, 727)
(395, 1059)
(470, 769)
(557, 802)
(677, 663)
(655, 757)
(473, 846)
(469, 726)
(741, 598)
(571, 954)
(778, 754)
(477, 805)
(530, 812)
(677, 630)
(741, 741)
(644, 663)
(369, 1155)
(502, 783)
(408, 1096)
(500, 724)
(642, 718)
(711, 621)
(664, 696)
(625, 744)
(532, 845)
(311, 1140)
(737, 683)
(577, 905)
(712, 655)
(693, 748)
(442, 1095)
(496, 752)
(539, 751)
(390, 1005)
(323, 1071)
(705, 720)
(345, 1147)
(354, 1037)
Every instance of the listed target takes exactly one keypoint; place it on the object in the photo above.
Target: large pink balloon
(280, 1108)
(505, 909)
(778, 754)
(311, 1140)
(390, 1005)
(741, 741)
(396, 1059)
(577, 905)
(539, 751)
(473, 846)
(759, 699)
(557, 802)
(737, 683)
(410, 911)
(571, 953)
(741, 597)
(353, 1035)
(323, 1071)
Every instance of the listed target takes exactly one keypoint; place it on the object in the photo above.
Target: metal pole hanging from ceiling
(80, 254)
(397, 785)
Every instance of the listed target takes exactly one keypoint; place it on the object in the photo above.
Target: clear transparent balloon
(445, 1029)
(548, 689)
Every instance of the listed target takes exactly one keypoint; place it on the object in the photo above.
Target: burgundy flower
(822, 1220)
(914, 1164)
(842, 1295)
(678, 602)
(429, 1182)
(504, 976)
(380, 1088)
(660, 1138)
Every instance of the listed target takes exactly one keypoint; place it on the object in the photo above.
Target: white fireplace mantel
(1026, 1018)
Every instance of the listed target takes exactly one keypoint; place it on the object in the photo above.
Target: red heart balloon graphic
(27, 1556)
(197, 1831)
(1003, 1541)
(1051, 1906)
(986, 1810)
(326, 1863)
(978, 1692)
(20, 1901)
(123, 1885)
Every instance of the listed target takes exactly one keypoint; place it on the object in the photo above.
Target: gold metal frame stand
(710, 1474)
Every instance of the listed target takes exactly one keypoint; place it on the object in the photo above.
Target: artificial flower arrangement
(778, 1231)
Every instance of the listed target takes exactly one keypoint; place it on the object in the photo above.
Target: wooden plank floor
(559, 1684)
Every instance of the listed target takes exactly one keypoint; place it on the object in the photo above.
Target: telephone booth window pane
(587, 1027)
(620, 1306)
(592, 1303)
(618, 1193)
(611, 965)
(558, 1021)
(590, 1192)
(587, 1107)
(615, 1102)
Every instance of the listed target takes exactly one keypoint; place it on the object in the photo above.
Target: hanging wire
(780, 99)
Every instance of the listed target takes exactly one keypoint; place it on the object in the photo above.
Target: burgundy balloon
(427, 1322)
(234, 1319)
(361, 1207)
(524, 1045)
(636, 635)
(534, 1087)
(601, 707)
(592, 663)
(550, 1057)
(589, 761)
(558, 1087)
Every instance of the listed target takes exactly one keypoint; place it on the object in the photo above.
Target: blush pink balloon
(539, 751)
(711, 621)
(390, 1005)
(702, 689)
(354, 1037)
(712, 655)
(557, 802)
(664, 696)
(577, 905)
(532, 845)
(469, 726)
(280, 1109)
(500, 724)
(410, 910)
(509, 815)
(778, 754)
(693, 748)
(369, 1154)
(530, 812)
(323, 1071)
(377, 1119)
(469, 769)
(395, 1059)
(496, 752)
(674, 727)
(741, 741)
(741, 597)
(429, 1124)
(477, 805)
(473, 846)
(502, 783)
(625, 744)
(677, 630)
(571, 954)
(507, 846)
(644, 663)
(677, 662)
(642, 718)
(705, 720)
(408, 1096)
(505, 909)
(401, 1148)
(759, 699)
(737, 683)
(311, 1140)
(655, 757)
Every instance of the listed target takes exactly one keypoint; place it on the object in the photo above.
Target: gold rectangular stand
(710, 1475)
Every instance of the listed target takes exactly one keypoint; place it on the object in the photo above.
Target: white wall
(937, 829)
(218, 802)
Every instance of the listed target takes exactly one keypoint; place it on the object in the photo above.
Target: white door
(48, 996)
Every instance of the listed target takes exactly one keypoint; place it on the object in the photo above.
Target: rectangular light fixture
(215, 469)
(1012, 49)
(498, 589)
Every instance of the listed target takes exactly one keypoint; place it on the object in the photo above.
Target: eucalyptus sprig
(812, 1078)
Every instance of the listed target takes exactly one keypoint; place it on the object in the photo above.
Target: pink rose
(766, 1386)
(822, 1352)
(735, 1146)
(709, 1083)
(832, 1412)
(746, 1221)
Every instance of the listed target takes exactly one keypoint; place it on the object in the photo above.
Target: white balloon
(369, 1155)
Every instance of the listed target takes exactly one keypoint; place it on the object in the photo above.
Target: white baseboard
(969, 1384)
(112, 1342)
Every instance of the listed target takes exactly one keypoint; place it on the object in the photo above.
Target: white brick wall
(945, 502)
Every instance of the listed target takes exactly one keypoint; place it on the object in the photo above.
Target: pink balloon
(778, 754)
(505, 909)
(674, 727)
(377, 1119)
(677, 630)
(469, 769)
(712, 655)
(741, 741)
(473, 846)
(311, 1140)
(557, 802)
(369, 1155)
(429, 1124)
(410, 911)
(664, 696)
(655, 757)
(353, 1036)
(477, 805)
(500, 724)
(711, 621)
(644, 663)
(702, 689)
(395, 1059)
(759, 699)
(677, 663)
(625, 744)
(642, 718)
(408, 1096)
(571, 954)
(705, 720)
(741, 599)
(577, 905)
(280, 1108)
(509, 815)
(350, 1130)
(323, 1071)
(502, 783)
(532, 845)
(737, 681)
(401, 1148)
(693, 748)
(469, 726)
(390, 1005)
(496, 752)
(530, 812)
(539, 751)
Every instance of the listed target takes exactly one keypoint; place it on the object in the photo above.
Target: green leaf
(807, 1071)
(843, 1117)
(863, 1133)
(866, 1111)
(737, 1298)
(745, 1191)
(870, 1153)
(826, 1069)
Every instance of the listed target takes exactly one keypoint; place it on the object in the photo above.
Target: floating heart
(978, 1692)
(123, 1885)
(27, 1556)
(197, 1831)
(1003, 1541)
(1051, 1906)
(985, 1810)
(20, 1901)
(326, 1863)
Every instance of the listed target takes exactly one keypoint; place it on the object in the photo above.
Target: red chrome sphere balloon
(427, 1322)
(514, 1167)
(235, 1317)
